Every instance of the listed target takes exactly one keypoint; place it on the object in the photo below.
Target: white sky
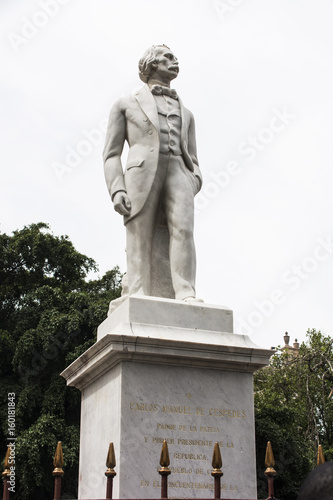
(263, 233)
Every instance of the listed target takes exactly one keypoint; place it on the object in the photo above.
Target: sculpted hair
(147, 60)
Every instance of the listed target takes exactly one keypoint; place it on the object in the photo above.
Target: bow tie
(159, 90)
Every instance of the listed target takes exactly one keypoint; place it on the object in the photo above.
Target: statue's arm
(114, 143)
(192, 150)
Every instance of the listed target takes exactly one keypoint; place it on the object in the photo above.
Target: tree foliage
(49, 314)
(294, 410)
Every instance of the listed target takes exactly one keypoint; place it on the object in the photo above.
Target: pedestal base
(154, 375)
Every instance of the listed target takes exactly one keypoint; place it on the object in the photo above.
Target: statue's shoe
(192, 300)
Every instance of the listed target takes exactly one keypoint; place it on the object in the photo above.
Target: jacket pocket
(137, 162)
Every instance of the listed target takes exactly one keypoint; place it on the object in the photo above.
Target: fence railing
(164, 471)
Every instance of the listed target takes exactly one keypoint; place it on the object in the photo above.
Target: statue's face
(167, 66)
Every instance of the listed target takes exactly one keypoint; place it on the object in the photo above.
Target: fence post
(270, 471)
(58, 463)
(5, 475)
(164, 471)
(320, 455)
(110, 473)
(217, 473)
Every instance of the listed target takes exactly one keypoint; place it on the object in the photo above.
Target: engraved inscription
(191, 432)
(219, 412)
(194, 485)
(188, 410)
(189, 456)
(166, 427)
(143, 407)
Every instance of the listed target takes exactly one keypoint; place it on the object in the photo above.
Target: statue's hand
(122, 203)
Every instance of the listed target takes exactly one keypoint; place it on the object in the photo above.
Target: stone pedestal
(162, 369)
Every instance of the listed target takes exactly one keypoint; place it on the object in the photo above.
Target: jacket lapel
(183, 138)
(184, 121)
(148, 105)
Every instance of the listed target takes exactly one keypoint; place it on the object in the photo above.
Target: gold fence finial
(216, 472)
(217, 459)
(320, 455)
(58, 461)
(6, 472)
(269, 460)
(111, 462)
(164, 470)
(164, 459)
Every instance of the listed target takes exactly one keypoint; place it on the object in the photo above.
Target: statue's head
(156, 60)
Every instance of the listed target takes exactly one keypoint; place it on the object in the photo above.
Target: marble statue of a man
(156, 193)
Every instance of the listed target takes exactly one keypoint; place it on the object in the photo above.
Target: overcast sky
(257, 75)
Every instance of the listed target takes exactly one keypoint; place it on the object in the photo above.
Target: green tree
(49, 315)
(294, 410)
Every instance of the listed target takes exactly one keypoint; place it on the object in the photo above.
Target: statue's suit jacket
(135, 119)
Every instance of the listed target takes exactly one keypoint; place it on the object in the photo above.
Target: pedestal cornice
(128, 336)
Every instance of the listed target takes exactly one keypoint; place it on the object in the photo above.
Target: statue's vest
(170, 129)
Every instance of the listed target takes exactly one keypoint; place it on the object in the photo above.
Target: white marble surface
(138, 314)
(153, 375)
(100, 424)
(137, 405)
